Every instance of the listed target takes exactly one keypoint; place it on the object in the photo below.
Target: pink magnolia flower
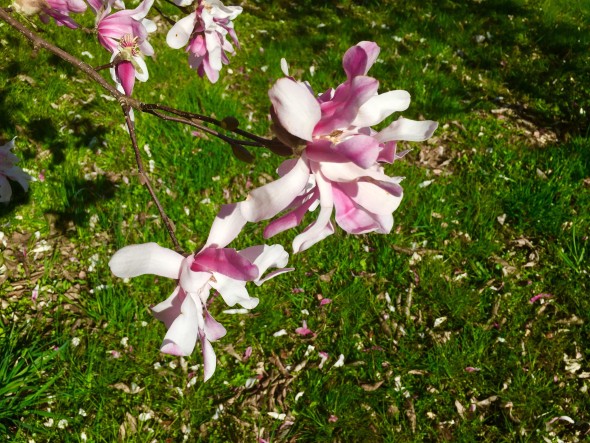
(130, 65)
(205, 35)
(127, 22)
(340, 164)
(9, 170)
(185, 312)
(59, 10)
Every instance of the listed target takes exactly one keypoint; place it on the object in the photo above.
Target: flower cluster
(339, 167)
(204, 33)
(9, 170)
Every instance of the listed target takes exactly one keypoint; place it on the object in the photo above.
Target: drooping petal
(406, 129)
(225, 261)
(357, 220)
(169, 309)
(319, 229)
(146, 258)
(296, 107)
(370, 196)
(209, 359)
(290, 219)
(179, 34)
(182, 335)
(381, 106)
(213, 329)
(267, 201)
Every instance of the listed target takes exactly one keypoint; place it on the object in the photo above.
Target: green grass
(502, 220)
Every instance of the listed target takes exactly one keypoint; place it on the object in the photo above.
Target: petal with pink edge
(359, 58)
(370, 196)
(296, 107)
(169, 309)
(265, 257)
(213, 329)
(356, 220)
(147, 258)
(406, 129)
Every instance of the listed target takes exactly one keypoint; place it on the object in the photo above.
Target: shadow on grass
(80, 195)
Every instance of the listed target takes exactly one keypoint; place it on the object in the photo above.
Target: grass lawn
(432, 333)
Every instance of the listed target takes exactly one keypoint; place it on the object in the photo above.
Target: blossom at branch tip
(129, 65)
(185, 312)
(340, 164)
(59, 10)
(205, 34)
(9, 170)
(112, 28)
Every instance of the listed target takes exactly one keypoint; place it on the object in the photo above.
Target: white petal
(296, 107)
(382, 106)
(180, 33)
(267, 201)
(233, 291)
(265, 257)
(228, 223)
(406, 129)
(147, 258)
(142, 76)
(182, 336)
(214, 50)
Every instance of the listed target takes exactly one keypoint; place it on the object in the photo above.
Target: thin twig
(144, 179)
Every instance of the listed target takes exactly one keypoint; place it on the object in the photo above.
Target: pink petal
(341, 111)
(356, 220)
(126, 76)
(538, 297)
(296, 108)
(359, 59)
(359, 149)
(225, 261)
(147, 258)
(290, 219)
(213, 329)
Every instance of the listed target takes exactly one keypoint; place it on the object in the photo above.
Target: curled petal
(147, 258)
(228, 223)
(265, 257)
(359, 59)
(233, 291)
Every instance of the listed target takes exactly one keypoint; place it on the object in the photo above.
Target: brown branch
(144, 179)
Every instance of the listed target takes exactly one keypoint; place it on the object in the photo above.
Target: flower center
(128, 43)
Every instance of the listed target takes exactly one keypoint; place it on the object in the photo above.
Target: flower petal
(267, 201)
(169, 309)
(381, 106)
(233, 291)
(265, 257)
(180, 33)
(296, 108)
(228, 223)
(209, 359)
(406, 129)
(225, 261)
(359, 58)
(360, 149)
(182, 335)
(147, 258)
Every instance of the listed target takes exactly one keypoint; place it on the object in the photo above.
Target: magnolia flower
(59, 10)
(129, 65)
(185, 312)
(339, 168)
(204, 33)
(112, 28)
(9, 170)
